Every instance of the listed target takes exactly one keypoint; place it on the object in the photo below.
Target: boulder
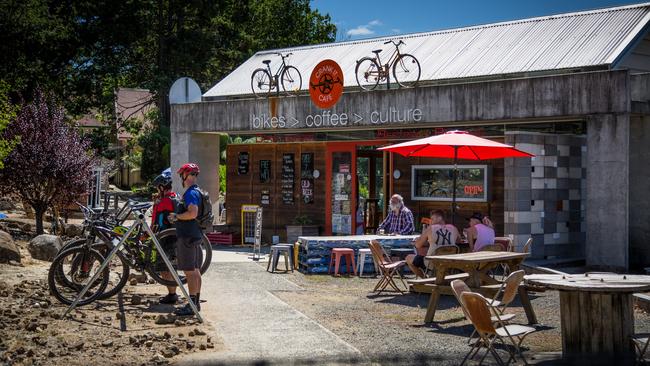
(45, 247)
(6, 204)
(8, 249)
(72, 230)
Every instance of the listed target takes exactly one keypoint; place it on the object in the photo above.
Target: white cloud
(364, 29)
(361, 30)
(396, 30)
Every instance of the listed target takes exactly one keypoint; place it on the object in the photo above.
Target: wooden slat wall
(243, 189)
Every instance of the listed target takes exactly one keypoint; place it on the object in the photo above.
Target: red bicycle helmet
(188, 168)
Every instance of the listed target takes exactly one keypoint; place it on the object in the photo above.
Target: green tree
(7, 114)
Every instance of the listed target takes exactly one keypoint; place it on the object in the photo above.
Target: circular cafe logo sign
(326, 84)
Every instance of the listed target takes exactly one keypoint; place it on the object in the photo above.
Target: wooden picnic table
(476, 265)
(596, 311)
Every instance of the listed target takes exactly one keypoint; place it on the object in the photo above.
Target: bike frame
(140, 222)
(274, 77)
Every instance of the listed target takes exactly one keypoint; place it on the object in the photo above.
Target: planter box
(295, 231)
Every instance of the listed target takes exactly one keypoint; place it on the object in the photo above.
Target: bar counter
(314, 253)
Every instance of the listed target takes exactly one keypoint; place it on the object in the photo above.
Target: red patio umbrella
(456, 145)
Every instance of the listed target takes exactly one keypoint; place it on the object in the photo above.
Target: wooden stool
(336, 256)
(286, 250)
(363, 253)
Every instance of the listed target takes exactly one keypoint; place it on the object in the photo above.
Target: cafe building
(572, 89)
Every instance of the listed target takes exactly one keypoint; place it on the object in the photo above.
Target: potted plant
(302, 226)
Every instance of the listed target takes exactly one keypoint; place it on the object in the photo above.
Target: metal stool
(286, 250)
(336, 256)
(363, 253)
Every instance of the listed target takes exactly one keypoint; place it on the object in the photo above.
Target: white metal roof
(579, 40)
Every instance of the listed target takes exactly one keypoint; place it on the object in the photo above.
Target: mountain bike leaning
(370, 70)
(263, 81)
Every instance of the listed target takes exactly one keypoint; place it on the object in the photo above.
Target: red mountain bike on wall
(370, 71)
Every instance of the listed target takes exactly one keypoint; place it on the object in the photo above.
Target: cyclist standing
(164, 204)
(189, 236)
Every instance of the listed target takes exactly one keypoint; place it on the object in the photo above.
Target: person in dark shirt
(189, 255)
(399, 220)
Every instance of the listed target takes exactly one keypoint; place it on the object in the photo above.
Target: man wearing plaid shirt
(399, 220)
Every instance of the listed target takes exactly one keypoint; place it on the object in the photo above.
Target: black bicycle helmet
(162, 180)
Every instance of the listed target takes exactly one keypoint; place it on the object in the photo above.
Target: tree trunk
(38, 213)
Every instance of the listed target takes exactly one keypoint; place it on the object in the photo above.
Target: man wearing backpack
(188, 231)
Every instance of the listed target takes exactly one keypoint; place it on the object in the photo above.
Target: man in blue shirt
(189, 255)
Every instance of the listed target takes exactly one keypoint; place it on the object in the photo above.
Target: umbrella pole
(453, 200)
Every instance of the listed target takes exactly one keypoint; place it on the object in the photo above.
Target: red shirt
(164, 206)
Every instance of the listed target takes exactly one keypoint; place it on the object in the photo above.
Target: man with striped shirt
(399, 220)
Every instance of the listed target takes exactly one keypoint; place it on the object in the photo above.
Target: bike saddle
(266, 62)
(138, 206)
(377, 51)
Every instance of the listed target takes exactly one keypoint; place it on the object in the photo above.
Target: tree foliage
(50, 166)
(7, 113)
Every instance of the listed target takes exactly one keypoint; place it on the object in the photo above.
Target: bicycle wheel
(406, 70)
(167, 239)
(261, 83)
(118, 268)
(76, 266)
(368, 73)
(291, 80)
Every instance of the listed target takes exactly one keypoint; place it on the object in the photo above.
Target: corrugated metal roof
(589, 39)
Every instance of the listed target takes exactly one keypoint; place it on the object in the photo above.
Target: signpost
(257, 245)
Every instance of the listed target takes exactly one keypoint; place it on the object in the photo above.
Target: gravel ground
(389, 329)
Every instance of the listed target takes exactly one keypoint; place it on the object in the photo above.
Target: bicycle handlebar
(284, 56)
(395, 43)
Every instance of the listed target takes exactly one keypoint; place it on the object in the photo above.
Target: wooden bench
(423, 285)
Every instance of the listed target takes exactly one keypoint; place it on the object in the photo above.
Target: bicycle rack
(139, 220)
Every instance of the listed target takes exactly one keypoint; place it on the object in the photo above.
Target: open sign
(473, 190)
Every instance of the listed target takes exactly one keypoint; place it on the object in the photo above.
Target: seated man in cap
(480, 232)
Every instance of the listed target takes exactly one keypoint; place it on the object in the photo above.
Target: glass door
(341, 189)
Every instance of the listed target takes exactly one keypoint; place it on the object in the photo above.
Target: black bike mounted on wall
(263, 81)
(370, 71)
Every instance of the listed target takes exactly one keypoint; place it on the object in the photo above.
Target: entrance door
(370, 177)
(341, 189)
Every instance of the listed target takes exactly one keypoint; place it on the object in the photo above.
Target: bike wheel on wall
(291, 80)
(406, 70)
(261, 83)
(368, 73)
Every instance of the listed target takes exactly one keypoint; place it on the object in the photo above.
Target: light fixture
(397, 173)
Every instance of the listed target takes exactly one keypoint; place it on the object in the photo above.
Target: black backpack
(205, 216)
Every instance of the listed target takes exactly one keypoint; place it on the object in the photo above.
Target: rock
(167, 353)
(133, 282)
(107, 343)
(9, 251)
(6, 204)
(165, 319)
(190, 334)
(148, 343)
(45, 247)
(166, 335)
(158, 358)
(139, 277)
(210, 345)
(189, 345)
(77, 346)
(136, 300)
(202, 347)
(51, 354)
(29, 353)
(31, 327)
(72, 229)
(118, 315)
(199, 332)
(179, 323)
(133, 340)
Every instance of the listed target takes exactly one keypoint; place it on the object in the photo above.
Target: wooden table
(477, 265)
(596, 313)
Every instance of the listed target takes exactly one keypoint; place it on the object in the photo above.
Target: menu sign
(266, 197)
(242, 166)
(288, 168)
(307, 177)
(265, 171)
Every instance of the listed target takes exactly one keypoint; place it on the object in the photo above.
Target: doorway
(371, 189)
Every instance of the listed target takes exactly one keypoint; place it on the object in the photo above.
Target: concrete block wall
(544, 195)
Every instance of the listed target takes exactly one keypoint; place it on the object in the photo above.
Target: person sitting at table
(399, 220)
(439, 233)
(480, 232)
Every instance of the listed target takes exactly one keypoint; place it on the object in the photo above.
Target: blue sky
(357, 19)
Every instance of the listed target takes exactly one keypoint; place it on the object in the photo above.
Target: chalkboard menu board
(307, 177)
(265, 171)
(265, 198)
(242, 167)
(288, 168)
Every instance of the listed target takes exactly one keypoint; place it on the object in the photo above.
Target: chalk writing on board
(307, 177)
(288, 167)
(265, 171)
(242, 163)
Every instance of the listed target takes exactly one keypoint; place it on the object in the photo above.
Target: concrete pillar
(607, 205)
(202, 149)
(639, 193)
